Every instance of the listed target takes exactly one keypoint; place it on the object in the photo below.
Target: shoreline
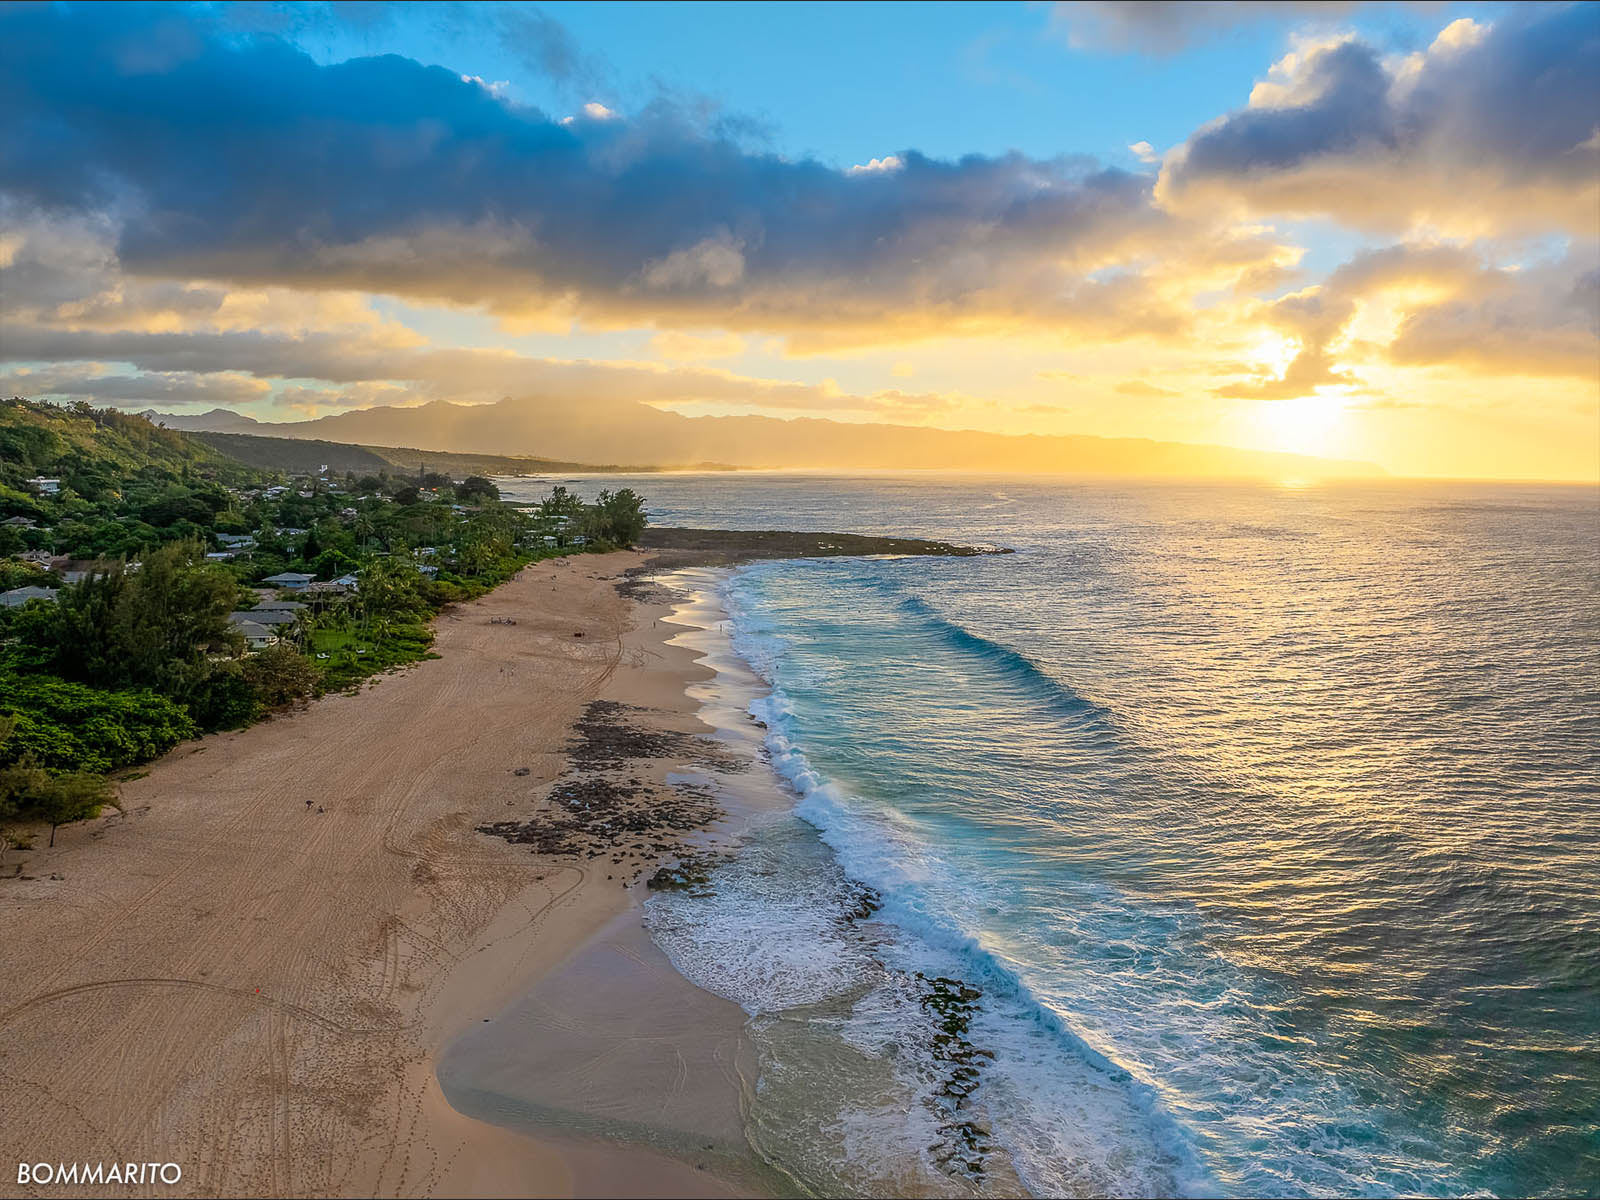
(223, 978)
(613, 1041)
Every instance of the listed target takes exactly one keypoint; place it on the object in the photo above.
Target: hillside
(625, 431)
(297, 456)
(93, 451)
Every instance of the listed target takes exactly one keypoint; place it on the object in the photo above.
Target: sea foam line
(868, 854)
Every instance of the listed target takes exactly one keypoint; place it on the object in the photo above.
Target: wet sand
(613, 1041)
(260, 990)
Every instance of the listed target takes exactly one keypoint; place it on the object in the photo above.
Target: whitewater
(1225, 839)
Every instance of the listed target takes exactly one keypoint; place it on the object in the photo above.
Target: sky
(1357, 230)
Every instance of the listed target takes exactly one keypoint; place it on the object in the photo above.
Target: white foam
(774, 939)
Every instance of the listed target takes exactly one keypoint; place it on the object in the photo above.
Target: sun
(1304, 425)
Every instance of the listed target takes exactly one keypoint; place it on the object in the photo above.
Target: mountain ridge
(543, 427)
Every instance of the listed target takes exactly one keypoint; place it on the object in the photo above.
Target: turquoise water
(1266, 820)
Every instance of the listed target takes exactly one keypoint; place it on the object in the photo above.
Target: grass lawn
(352, 657)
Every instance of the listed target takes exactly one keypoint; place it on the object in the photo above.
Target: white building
(256, 636)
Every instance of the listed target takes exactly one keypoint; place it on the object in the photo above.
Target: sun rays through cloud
(1364, 233)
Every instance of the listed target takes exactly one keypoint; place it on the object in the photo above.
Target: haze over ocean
(1264, 818)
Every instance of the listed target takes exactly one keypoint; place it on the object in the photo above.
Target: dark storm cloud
(236, 156)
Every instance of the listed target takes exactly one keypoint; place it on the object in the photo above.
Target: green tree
(476, 487)
(27, 790)
(75, 797)
(64, 726)
(280, 676)
(387, 589)
(560, 503)
(364, 528)
(154, 627)
(617, 517)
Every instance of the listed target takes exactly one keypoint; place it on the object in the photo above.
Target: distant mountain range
(629, 432)
(216, 420)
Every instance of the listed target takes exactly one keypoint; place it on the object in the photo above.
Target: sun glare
(1304, 425)
(1273, 352)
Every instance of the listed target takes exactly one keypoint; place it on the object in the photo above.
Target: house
(267, 618)
(347, 580)
(76, 570)
(580, 540)
(235, 541)
(220, 555)
(19, 522)
(290, 581)
(269, 603)
(256, 636)
(17, 597)
(45, 487)
(39, 558)
(428, 569)
(328, 588)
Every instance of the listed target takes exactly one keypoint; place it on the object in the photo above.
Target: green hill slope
(301, 456)
(95, 452)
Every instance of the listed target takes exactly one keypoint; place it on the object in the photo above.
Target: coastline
(261, 988)
(613, 1041)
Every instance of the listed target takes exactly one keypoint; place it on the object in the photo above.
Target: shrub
(280, 676)
(64, 726)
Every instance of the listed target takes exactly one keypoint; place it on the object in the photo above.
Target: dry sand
(258, 991)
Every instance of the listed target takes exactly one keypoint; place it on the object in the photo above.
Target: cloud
(353, 370)
(310, 401)
(1144, 152)
(243, 161)
(62, 272)
(1542, 323)
(889, 162)
(1148, 391)
(1489, 130)
(1445, 307)
(524, 33)
(1167, 26)
(97, 384)
(678, 345)
(716, 261)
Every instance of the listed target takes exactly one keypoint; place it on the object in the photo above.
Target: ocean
(1223, 839)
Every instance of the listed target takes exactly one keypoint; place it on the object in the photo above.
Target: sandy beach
(254, 970)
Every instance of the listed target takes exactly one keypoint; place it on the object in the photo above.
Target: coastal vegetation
(155, 589)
